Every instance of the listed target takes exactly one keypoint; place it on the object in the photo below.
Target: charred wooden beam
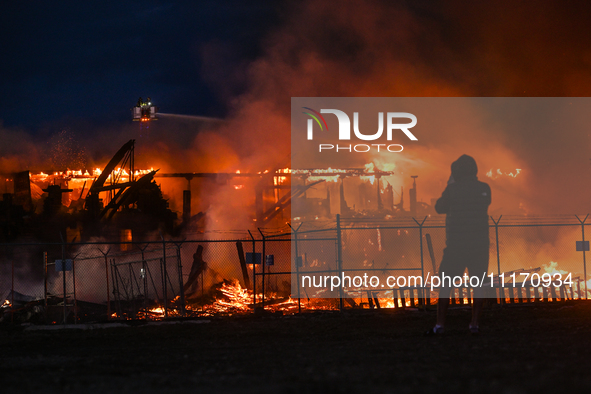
(553, 292)
(186, 206)
(431, 253)
(115, 186)
(128, 196)
(285, 201)
(120, 155)
(351, 302)
(198, 267)
(562, 293)
(376, 300)
(243, 264)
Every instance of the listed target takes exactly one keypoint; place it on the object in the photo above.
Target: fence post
(64, 273)
(584, 258)
(45, 283)
(107, 277)
(144, 280)
(422, 291)
(263, 262)
(164, 277)
(74, 290)
(116, 291)
(297, 264)
(501, 290)
(12, 293)
(254, 275)
(180, 272)
(340, 260)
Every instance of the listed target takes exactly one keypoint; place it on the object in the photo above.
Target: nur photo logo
(392, 121)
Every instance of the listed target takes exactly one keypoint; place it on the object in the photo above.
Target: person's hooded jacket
(465, 202)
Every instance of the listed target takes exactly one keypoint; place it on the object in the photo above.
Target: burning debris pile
(21, 308)
(86, 203)
(117, 197)
(230, 298)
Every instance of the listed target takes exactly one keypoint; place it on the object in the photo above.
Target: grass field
(522, 349)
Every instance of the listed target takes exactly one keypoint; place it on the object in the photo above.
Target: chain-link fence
(93, 281)
(530, 259)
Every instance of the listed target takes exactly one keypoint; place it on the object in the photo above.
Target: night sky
(70, 60)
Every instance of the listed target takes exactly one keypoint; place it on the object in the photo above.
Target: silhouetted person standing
(465, 202)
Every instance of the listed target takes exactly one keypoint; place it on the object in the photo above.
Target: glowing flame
(329, 171)
(85, 175)
(158, 310)
(498, 173)
(371, 179)
(279, 180)
(334, 178)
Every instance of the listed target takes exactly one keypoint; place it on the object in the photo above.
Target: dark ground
(533, 348)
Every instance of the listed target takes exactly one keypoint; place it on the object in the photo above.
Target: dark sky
(69, 60)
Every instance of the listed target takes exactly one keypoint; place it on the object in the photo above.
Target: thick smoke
(18, 150)
(379, 49)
